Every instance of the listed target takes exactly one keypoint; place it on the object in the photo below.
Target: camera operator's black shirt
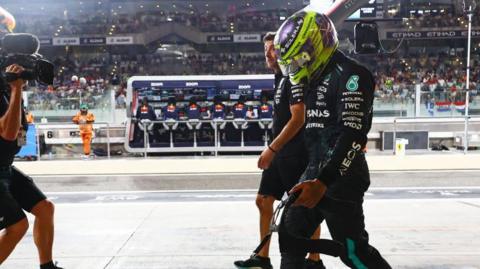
(286, 96)
(8, 149)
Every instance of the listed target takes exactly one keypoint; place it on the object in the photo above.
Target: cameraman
(18, 192)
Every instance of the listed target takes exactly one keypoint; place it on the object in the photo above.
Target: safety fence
(53, 140)
(213, 137)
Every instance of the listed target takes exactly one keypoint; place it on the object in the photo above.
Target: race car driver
(338, 99)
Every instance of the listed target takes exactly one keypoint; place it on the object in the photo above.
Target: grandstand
(108, 42)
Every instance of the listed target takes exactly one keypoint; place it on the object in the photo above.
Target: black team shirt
(286, 96)
(8, 149)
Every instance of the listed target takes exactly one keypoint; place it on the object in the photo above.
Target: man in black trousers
(284, 160)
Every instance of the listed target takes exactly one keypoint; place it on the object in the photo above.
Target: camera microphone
(20, 44)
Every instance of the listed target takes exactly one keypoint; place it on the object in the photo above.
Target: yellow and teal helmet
(304, 45)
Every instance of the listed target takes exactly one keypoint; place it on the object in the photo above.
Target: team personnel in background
(251, 113)
(18, 192)
(145, 115)
(284, 160)
(239, 109)
(193, 110)
(145, 111)
(85, 121)
(266, 110)
(29, 116)
(218, 108)
(170, 112)
(338, 99)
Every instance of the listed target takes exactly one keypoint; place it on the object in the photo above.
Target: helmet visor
(295, 64)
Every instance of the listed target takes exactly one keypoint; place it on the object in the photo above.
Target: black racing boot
(311, 264)
(254, 262)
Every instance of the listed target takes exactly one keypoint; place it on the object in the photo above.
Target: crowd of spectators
(224, 64)
(442, 19)
(69, 95)
(84, 25)
(396, 74)
(111, 72)
(196, 63)
(441, 75)
(246, 21)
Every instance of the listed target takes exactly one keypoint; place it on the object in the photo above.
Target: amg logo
(316, 113)
(355, 106)
(347, 161)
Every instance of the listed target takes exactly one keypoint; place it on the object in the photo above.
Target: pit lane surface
(228, 181)
(249, 195)
(125, 227)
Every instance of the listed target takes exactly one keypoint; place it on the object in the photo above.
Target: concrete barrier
(233, 165)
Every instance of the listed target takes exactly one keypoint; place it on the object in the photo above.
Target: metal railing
(430, 120)
(41, 128)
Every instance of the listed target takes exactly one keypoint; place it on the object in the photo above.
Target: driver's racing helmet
(304, 45)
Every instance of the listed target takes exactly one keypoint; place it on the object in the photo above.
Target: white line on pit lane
(154, 203)
(246, 173)
(149, 175)
(255, 190)
(130, 196)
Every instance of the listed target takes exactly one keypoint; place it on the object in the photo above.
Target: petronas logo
(352, 83)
